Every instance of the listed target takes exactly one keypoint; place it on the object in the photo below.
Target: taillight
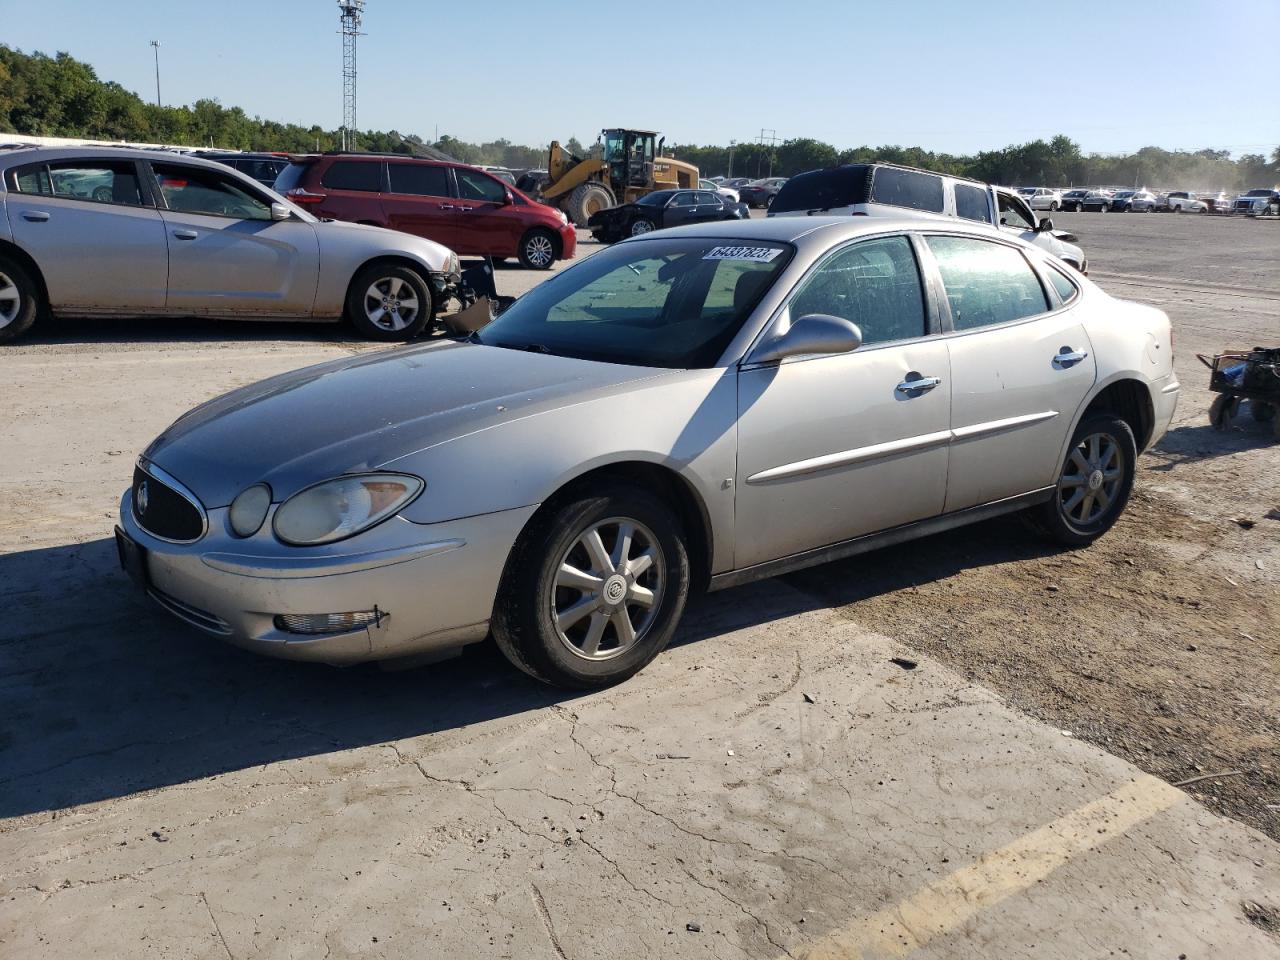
(302, 196)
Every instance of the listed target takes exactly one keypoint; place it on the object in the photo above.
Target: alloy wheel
(10, 300)
(1091, 479)
(641, 227)
(539, 250)
(391, 304)
(607, 589)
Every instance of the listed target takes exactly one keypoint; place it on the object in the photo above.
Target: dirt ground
(1161, 643)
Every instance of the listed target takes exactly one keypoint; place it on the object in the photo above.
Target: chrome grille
(165, 508)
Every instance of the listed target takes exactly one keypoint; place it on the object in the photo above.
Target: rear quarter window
(1066, 289)
(365, 175)
(291, 177)
(907, 188)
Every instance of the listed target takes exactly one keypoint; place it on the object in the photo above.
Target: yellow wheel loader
(631, 164)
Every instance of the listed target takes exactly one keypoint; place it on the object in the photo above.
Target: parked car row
(1106, 199)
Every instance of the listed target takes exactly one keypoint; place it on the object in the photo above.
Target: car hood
(358, 413)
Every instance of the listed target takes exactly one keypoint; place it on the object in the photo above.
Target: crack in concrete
(540, 902)
(221, 939)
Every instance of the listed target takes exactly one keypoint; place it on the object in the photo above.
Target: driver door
(1016, 217)
(227, 257)
(680, 209)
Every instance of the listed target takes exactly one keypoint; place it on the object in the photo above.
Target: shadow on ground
(1194, 443)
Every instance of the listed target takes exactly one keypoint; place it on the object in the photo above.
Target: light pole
(156, 46)
(732, 144)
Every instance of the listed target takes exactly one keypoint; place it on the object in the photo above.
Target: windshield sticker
(756, 254)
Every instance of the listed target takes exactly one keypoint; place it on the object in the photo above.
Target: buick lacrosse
(684, 411)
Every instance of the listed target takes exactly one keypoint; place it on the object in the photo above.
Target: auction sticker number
(755, 254)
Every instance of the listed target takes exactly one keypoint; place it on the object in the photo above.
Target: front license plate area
(133, 559)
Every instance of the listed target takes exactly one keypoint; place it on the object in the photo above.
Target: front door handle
(35, 216)
(185, 234)
(918, 385)
(1068, 358)
(447, 206)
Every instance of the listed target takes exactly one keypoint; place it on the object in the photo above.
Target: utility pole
(770, 137)
(732, 144)
(350, 13)
(156, 45)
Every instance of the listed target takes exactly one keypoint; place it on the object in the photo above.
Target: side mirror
(280, 212)
(1044, 225)
(812, 333)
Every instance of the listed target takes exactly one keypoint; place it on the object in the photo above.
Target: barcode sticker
(757, 254)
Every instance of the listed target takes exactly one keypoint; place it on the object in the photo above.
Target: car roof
(832, 229)
(17, 158)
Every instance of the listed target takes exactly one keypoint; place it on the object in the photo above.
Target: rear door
(488, 223)
(419, 200)
(833, 447)
(227, 256)
(91, 227)
(1021, 364)
(707, 207)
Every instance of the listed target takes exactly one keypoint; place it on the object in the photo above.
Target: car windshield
(1125, 193)
(1258, 193)
(664, 302)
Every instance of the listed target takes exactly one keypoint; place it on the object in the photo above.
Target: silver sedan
(687, 411)
(87, 232)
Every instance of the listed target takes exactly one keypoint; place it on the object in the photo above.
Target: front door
(227, 256)
(487, 223)
(1019, 371)
(834, 447)
(1016, 218)
(420, 201)
(91, 228)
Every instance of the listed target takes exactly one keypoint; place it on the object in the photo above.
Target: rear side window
(365, 175)
(874, 284)
(101, 181)
(907, 188)
(33, 178)
(987, 283)
(971, 203)
(824, 189)
(419, 179)
(1066, 289)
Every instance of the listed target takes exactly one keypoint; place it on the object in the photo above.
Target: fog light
(316, 623)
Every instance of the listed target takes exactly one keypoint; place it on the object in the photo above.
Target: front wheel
(389, 302)
(593, 589)
(538, 250)
(19, 299)
(1053, 207)
(642, 226)
(1094, 484)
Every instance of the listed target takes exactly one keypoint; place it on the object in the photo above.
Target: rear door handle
(35, 216)
(185, 234)
(918, 385)
(1067, 357)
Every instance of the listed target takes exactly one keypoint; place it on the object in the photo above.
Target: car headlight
(563, 218)
(343, 507)
(452, 265)
(249, 509)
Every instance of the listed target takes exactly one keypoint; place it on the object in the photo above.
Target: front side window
(971, 203)
(907, 188)
(653, 303)
(1014, 213)
(683, 200)
(474, 185)
(101, 181)
(362, 175)
(207, 192)
(874, 284)
(419, 179)
(987, 283)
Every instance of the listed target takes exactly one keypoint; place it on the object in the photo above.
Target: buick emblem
(141, 498)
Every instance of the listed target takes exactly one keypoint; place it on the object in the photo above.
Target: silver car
(90, 232)
(690, 410)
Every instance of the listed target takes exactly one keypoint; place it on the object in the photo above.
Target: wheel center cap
(615, 588)
(1095, 480)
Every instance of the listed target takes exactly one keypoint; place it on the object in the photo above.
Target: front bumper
(568, 241)
(433, 584)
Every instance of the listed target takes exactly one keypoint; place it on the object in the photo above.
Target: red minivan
(467, 210)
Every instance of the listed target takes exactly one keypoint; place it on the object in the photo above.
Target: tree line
(60, 96)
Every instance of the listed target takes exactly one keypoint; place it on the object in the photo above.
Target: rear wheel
(1094, 484)
(594, 589)
(538, 249)
(1053, 206)
(19, 299)
(389, 302)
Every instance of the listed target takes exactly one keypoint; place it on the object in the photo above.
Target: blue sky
(955, 76)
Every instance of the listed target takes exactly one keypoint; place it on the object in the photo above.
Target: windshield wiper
(530, 347)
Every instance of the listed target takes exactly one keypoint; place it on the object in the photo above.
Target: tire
(539, 249)
(1069, 516)
(1177, 209)
(590, 650)
(640, 226)
(378, 302)
(1261, 411)
(1053, 206)
(20, 299)
(586, 199)
(1222, 411)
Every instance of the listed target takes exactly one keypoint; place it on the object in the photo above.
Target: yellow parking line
(941, 907)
